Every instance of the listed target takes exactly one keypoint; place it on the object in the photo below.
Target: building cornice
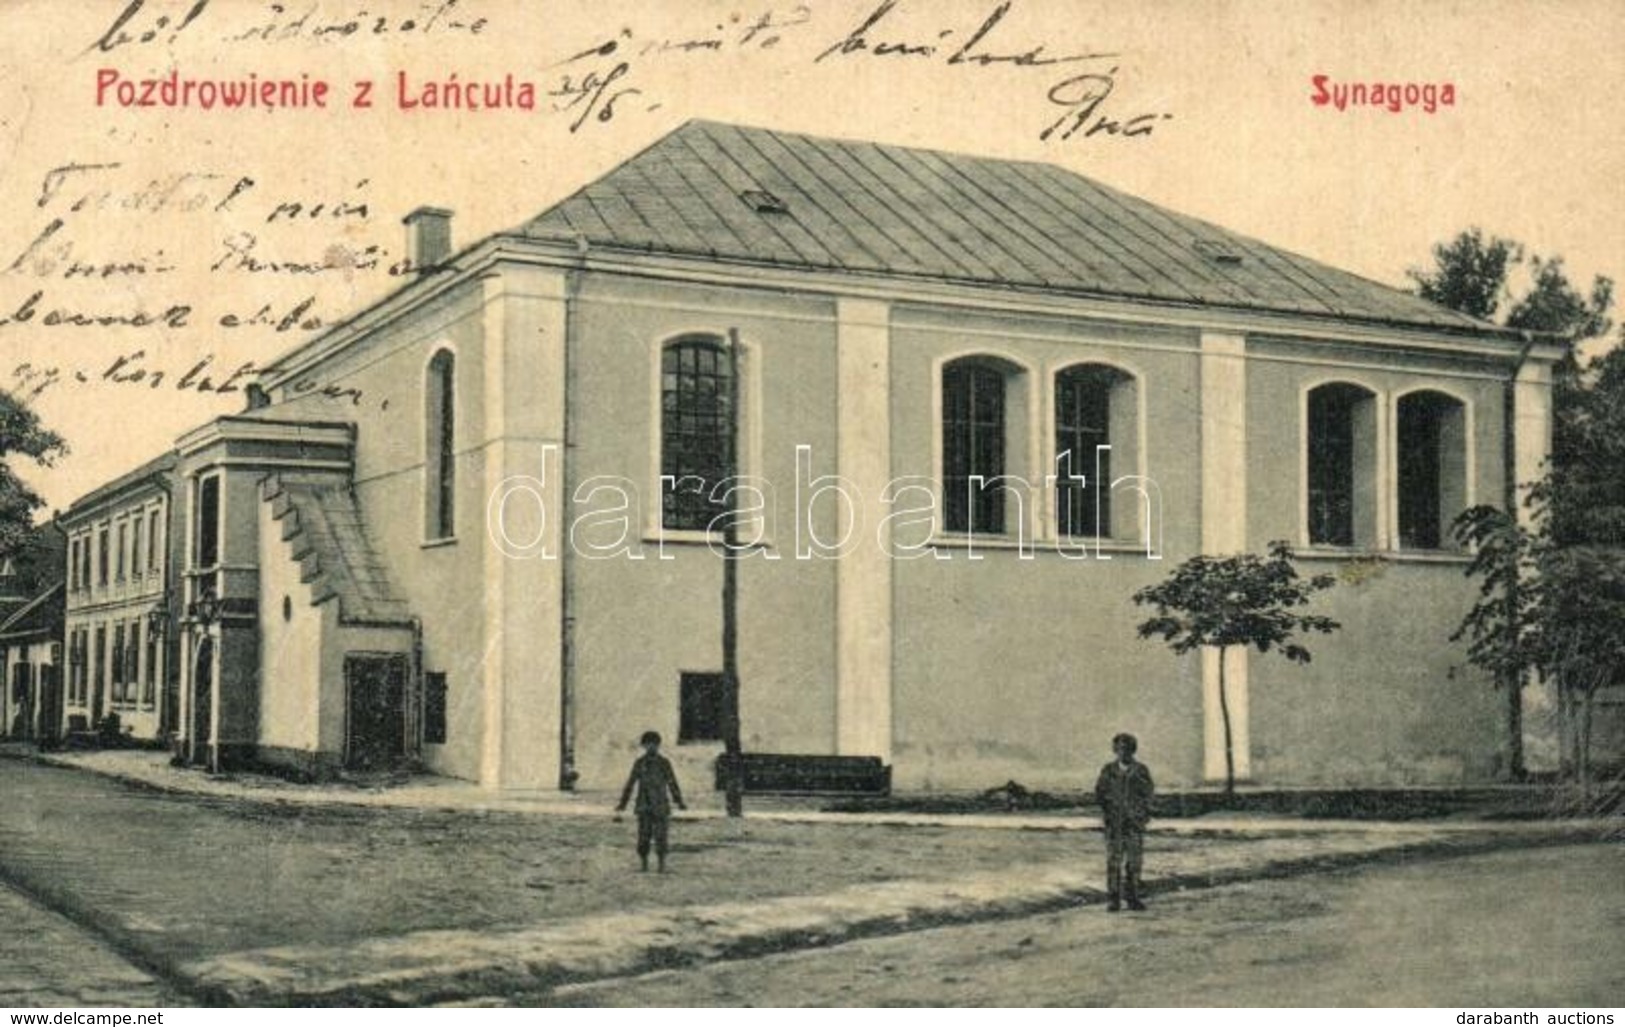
(234, 429)
(483, 258)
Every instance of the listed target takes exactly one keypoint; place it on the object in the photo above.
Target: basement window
(700, 707)
(764, 202)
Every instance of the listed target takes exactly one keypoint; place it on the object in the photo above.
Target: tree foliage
(1469, 273)
(1528, 616)
(1548, 607)
(1212, 602)
(1582, 496)
(1473, 274)
(1553, 305)
(21, 434)
(1497, 627)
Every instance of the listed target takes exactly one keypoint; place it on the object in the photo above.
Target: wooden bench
(788, 774)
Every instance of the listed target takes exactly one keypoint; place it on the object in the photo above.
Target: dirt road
(1540, 927)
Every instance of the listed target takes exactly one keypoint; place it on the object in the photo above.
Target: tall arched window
(1432, 472)
(973, 445)
(1095, 429)
(1342, 465)
(439, 447)
(696, 432)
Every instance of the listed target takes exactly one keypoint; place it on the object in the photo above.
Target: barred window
(696, 432)
(1083, 411)
(973, 446)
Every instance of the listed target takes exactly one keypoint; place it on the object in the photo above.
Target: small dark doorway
(375, 711)
(202, 700)
(21, 704)
(50, 705)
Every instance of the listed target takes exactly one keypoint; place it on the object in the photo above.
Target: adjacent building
(31, 654)
(31, 637)
(959, 408)
(119, 637)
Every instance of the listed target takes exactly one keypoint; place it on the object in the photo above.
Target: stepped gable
(323, 527)
(731, 193)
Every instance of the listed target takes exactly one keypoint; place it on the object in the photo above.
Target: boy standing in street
(653, 778)
(1124, 792)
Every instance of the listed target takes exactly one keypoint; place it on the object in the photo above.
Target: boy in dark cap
(653, 778)
(1124, 792)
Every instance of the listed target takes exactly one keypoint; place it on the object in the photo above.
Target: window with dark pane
(439, 447)
(208, 522)
(1432, 468)
(695, 432)
(132, 664)
(973, 446)
(98, 680)
(117, 663)
(700, 707)
(1331, 464)
(149, 685)
(1082, 426)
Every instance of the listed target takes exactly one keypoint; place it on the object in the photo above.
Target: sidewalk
(701, 915)
(48, 961)
(150, 769)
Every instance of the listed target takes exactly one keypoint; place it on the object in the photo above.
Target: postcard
(1012, 451)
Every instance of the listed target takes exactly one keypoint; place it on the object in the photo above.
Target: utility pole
(732, 757)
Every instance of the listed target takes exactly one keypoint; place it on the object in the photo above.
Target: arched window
(1432, 467)
(1342, 465)
(1096, 424)
(973, 445)
(439, 447)
(696, 432)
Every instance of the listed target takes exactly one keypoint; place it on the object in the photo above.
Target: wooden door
(375, 711)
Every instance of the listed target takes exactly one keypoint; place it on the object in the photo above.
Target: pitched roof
(754, 195)
(155, 469)
(40, 618)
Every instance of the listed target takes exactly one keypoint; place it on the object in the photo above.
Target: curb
(1083, 821)
(449, 966)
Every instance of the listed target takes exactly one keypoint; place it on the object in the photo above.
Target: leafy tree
(1470, 273)
(1497, 627)
(21, 434)
(1579, 636)
(1582, 497)
(1546, 607)
(1555, 306)
(1211, 602)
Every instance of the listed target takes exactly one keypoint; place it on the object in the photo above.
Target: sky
(125, 198)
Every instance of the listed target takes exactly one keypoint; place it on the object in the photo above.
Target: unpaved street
(182, 877)
(1539, 927)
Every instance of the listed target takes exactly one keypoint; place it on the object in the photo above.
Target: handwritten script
(1082, 96)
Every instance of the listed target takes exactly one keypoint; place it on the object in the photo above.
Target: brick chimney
(428, 236)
